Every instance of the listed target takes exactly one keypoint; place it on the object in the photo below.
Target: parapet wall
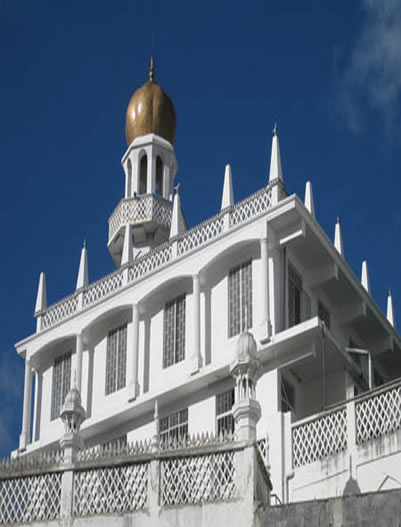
(375, 509)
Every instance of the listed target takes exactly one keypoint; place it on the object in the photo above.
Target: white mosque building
(164, 326)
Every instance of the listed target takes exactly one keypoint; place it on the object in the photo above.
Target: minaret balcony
(146, 210)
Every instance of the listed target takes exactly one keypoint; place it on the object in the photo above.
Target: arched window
(143, 174)
(159, 176)
(129, 178)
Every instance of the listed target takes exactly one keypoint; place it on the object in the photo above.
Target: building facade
(164, 328)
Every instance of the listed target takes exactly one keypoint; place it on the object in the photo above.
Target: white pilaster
(78, 366)
(26, 417)
(264, 284)
(196, 359)
(133, 387)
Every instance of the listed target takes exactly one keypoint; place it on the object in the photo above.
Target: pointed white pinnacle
(338, 238)
(177, 219)
(365, 276)
(227, 199)
(41, 297)
(309, 203)
(275, 160)
(128, 254)
(82, 280)
(390, 309)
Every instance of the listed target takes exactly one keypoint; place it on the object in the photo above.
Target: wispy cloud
(369, 78)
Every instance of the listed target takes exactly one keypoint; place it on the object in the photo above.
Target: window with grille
(61, 383)
(323, 314)
(174, 331)
(294, 296)
(224, 415)
(116, 359)
(174, 427)
(240, 298)
(287, 396)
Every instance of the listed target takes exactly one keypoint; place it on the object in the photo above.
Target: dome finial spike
(275, 129)
(152, 69)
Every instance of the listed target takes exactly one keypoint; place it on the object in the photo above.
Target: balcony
(146, 210)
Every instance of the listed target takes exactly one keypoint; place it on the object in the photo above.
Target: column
(166, 182)
(265, 311)
(196, 359)
(133, 388)
(78, 366)
(26, 417)
(37, 406)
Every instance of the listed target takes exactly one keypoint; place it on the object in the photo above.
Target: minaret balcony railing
(151, 208)
(138, 210)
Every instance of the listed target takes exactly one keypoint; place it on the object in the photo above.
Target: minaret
(150, 167)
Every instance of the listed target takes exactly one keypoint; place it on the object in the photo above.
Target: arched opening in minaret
(143, 174)
(159, 176)
(129, 178)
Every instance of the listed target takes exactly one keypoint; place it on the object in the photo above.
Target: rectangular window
(294, 296)
(116, 359)
(240, 298)
(174, 331)
(287, 396)
(174, 427)
(224, 415)
(61, 383)
(323, 314)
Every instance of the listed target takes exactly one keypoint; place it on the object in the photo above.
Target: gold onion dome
(150, 111)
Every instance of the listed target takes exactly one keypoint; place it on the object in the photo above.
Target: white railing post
(67, 496)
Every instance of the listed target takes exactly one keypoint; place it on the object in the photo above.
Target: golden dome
(150, 110)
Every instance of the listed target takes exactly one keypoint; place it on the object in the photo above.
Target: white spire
(128, 254)
(309, 203)
(365, 276)
(390, 309)
(177, 219)
(338, 239)
(82, 280)
(41, 297)
(228, 194)
(275, 161)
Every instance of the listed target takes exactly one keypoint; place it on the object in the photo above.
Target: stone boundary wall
(373, 509)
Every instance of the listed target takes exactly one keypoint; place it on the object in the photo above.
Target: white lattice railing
(200, 235)
(319, 437)
(59, 311)
(149, 207)
(139, 210)
(30, 498)
(102, 288)
(378, 414)
(148, 263)
(112, 489)
(198, 478)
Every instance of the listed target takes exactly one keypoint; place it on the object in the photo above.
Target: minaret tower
(150, 166)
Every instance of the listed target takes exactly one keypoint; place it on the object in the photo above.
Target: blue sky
(328, 72)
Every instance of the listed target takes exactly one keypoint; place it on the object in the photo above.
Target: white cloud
(371, 76)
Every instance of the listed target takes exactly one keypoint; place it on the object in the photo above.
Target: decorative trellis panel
(111, 489)
(251, 207)
(197, 479)
(378, 415)
(139, 210)
(59, 311)
(200, 235)
(153, 260)
(320, 438)
(30, 498)
(263, 446)
(262, 490)
(103, 288)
